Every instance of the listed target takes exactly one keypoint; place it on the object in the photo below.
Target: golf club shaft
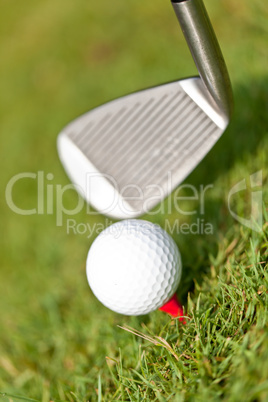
(206, 52)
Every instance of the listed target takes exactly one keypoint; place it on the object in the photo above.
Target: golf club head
(125, 157)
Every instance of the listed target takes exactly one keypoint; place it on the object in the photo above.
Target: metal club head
(126, 156)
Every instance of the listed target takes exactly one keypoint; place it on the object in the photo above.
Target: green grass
(57, 342)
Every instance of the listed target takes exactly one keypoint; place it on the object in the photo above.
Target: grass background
(58, 60)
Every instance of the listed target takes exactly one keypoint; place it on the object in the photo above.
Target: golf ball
(134, 267)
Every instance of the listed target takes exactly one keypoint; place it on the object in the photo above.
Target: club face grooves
(159, 139)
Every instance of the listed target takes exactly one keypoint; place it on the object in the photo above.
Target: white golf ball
(134, 267)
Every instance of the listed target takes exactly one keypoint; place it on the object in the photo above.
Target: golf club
(126, 156)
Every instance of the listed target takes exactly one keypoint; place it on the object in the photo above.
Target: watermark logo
(255, 219)
(188, 201)
(197, 227)
(50, 199)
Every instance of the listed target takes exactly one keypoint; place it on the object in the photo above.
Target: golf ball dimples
(134, 267)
